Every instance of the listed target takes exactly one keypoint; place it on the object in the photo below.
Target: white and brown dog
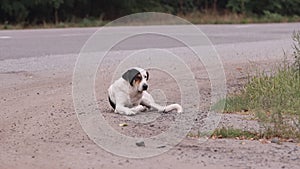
(128, 94)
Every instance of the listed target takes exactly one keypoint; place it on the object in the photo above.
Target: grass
(194, 17)
(228, 133)
(233, 18)
(235, 133)
(273, 97)
(85, 22)
(280, 91)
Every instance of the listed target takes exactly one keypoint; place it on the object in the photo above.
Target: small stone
(207, 149)
(151, 125)
(123, 124)
(140, 144)
(161, 146)
(275, 140)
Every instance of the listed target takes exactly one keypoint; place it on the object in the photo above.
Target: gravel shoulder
(39, 129)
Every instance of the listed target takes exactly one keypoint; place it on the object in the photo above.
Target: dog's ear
(130, 75)
(147, 75)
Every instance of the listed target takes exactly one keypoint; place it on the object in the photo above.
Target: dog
(128, 95)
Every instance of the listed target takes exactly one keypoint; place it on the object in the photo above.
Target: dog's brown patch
(138, 78)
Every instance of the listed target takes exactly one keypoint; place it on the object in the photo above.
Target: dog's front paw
(130, 113)
(141, 108)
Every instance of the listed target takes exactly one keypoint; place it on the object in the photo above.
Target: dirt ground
(39, 128)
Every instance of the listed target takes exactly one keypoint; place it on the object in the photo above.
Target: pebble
(275, 140)
(140, 144)
(161, 146)
(123, 124)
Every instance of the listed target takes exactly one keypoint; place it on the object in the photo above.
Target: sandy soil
(39, 128)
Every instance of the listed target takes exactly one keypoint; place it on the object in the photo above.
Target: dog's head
(137, 77)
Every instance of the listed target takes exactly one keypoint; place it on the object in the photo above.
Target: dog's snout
(145, 86)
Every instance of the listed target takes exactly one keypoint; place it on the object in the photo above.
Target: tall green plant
(296, 54)
(274, 97)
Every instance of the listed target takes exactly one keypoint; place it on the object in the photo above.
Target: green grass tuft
(273, 97)
(235, 133)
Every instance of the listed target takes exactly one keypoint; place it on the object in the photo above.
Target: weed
(227, 133)
(275, 17)
(296, 54)
(235, 133)
(196, 17)
(273, 97)
(234, 18)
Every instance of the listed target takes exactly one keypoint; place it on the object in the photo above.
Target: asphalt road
(39, 127)
(16, 44)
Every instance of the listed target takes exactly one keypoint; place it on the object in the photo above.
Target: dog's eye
(138, 78)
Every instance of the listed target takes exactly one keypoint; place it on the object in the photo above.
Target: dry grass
(233, 18)
(208, 17)
(274, 98)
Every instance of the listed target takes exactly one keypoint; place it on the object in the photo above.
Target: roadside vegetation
(235, 133)
(82, 13)
(274, 98)
(228, 133)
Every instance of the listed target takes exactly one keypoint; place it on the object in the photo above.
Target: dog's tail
(167, 108)
(171, 107)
